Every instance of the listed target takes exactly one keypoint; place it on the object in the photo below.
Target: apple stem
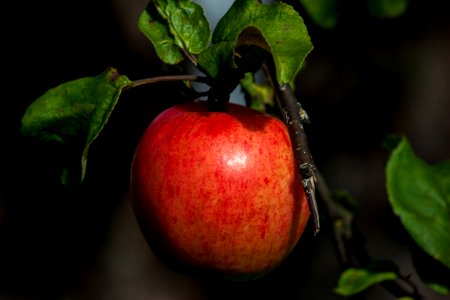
(219, 94)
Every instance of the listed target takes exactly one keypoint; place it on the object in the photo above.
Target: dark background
(366, 78)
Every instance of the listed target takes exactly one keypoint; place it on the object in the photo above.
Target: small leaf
(344, 199)
(387, 8)
(274, 28)
(218, 59)
(260, 96)
(355, 280)
(75, 112)
(322, 12)
(420, 195)
(187, 23)
(172, 26)
(158, 33)
(439, 288)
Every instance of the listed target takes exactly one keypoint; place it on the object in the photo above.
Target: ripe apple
(218, 191)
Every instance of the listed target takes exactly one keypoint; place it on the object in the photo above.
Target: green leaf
(276, 28)
(439, 288)
(158, 33)
(261, 96)
(420, 195)
(442, 171)
(322, 12)
(387, 8)
(355, 280)
(218, 59)
(75, 112)
(221, 58)
(173, 26)
(345, 200)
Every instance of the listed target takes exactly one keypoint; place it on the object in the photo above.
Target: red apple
(218, 191)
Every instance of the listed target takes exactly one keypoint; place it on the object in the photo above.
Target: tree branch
(349, 242)
(338, 222)
(156, 79)
(294, 116)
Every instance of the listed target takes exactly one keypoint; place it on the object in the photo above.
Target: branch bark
(294, 116)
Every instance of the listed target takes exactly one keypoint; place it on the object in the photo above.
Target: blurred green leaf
(387, 8)
(442, 171)
(260, 95)
(322, 12)
(420, 195)
(276, 28)
(344, 199)
(439, 288)
(75, 112)
(355, 280)
(172, 26)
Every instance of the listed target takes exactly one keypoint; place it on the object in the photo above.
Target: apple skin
(218, 192)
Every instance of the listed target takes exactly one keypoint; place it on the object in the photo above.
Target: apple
(218, 192)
